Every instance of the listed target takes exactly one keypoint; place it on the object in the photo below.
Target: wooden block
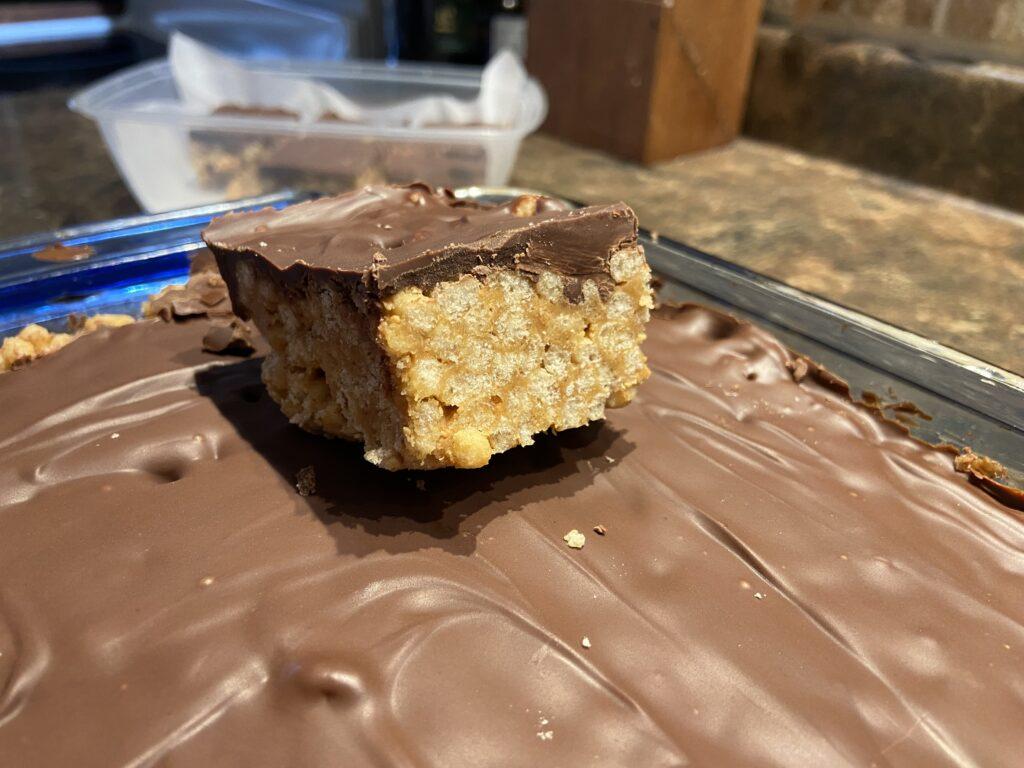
(645, 80)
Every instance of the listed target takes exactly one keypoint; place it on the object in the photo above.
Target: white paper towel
(207, 80)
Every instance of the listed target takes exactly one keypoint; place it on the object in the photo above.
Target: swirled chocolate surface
(783, 579)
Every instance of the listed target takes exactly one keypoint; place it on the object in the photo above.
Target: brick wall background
(995, 23)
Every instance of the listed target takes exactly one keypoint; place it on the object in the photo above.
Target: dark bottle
(453, 31)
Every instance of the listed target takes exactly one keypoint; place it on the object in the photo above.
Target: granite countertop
(54, 166)
(939, 265)
(935, 264)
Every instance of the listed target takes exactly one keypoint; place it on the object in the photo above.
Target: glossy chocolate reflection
(783, 579)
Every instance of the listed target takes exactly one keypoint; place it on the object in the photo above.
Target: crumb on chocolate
(600, 530)
(969, 461)
(305, 481)
(799, 368)
(35, 341)
(78, 323)
(525, 205)
(575, 539)
(585, 642)
(31, 342)
(229, 337)
(95, 322)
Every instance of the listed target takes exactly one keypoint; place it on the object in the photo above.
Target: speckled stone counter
(936, 264)
(54, 167)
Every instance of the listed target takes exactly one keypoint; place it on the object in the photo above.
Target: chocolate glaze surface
(386, 238)
(784, 579)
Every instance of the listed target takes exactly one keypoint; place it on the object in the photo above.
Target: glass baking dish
(968, 402)
(131, 259)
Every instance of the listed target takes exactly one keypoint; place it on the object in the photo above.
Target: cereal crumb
(33, 341)
(600, 530)
(95, 322)
(969, 461)
(206, 581)
(524, 206)
(575, 539)
(204, 294)
(545, 735)
(470, 448)
(759, 595)
(305, 481)
(585, 642)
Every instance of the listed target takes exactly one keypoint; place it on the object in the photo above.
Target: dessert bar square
(439, 331)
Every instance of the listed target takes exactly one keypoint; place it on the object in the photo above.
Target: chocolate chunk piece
(439, 331)
(205, 294)
(61, 252)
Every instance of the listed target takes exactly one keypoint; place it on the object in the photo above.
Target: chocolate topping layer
(784, 578)
(387, 238)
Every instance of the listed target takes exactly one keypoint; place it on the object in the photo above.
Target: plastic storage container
(172, 158)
